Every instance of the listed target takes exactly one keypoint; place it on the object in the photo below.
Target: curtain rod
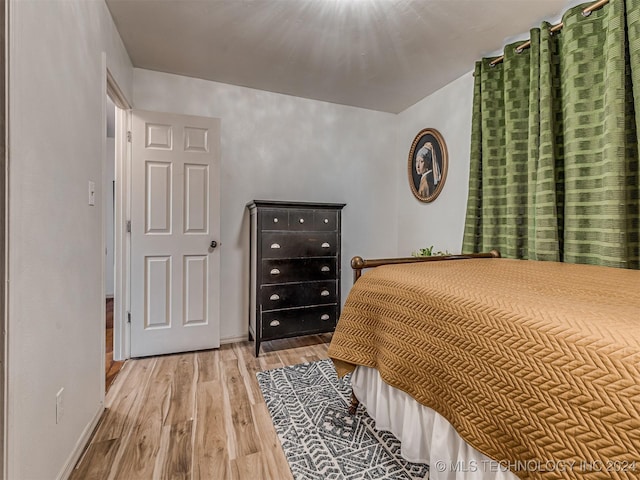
(586, 12)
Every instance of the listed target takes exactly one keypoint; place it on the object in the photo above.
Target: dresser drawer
(273, 297)
(274, 219)
(299, 321)
(301, 220)
(298, 270)
(299, 244)
(325, 220)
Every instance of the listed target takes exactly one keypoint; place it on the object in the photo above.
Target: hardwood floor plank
(211, 456)
(163, 453)
(269, 361)
(292, 356)
(112, 368)
(227, 353)
(143, 443)
(208, 365)
(195, 415)
(120, 380)
(277, 464)
(97, 461)
(124, 406)
(252, 466)
(240, 410)
(264, 426)
(120, 413)
(177, 462)
(183, 381)
(249, 366)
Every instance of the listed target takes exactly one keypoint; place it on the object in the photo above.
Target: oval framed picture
(427, 165)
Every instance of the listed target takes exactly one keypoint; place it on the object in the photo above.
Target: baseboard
(81, 444)
(224, 341)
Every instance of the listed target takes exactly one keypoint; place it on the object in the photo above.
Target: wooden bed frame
(358, 264)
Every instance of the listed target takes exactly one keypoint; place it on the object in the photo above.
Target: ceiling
(378, 54)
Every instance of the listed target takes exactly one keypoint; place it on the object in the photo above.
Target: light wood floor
(112, 367)
(194, 416)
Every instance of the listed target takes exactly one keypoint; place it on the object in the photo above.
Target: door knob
(213, 244)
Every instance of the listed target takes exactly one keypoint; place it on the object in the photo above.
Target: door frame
(121, 216)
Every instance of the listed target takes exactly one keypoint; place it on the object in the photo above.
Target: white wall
(278, 147)
(55, 251)
(439, 223)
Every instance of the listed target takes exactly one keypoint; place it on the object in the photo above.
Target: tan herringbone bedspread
(527, 360)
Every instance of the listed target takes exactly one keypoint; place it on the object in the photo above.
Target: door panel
(175, 214)
(157, 292)
(158, 197)
(196, 273)
(196, 199)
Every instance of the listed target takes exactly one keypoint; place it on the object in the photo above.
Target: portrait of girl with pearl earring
(427, 165)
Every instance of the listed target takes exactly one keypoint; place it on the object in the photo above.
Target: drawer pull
(324, 316)
(275, 296)
(325, 269)
(274, 271)
(275, 323)
(325, 245)
(275, 245)
(324, 293)
(301, 220)
(275, 220)
(326, 220)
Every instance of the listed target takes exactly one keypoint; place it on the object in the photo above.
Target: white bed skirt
(426, 436)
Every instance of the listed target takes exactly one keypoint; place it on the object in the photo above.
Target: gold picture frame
(427, 174)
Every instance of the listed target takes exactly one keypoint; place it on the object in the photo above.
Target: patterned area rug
(308, 406)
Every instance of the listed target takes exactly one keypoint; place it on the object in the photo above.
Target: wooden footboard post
(353, 408)
(357, 264)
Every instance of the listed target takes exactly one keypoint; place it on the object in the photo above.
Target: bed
(492, 368)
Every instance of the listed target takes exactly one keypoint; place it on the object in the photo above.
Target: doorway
(112, 367)
(193, 218)
(115, 238)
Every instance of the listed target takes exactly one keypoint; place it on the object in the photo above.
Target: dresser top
(280, 204)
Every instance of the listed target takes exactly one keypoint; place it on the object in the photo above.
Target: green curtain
(554, 143)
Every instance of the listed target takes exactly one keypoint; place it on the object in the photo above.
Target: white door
(175, 217)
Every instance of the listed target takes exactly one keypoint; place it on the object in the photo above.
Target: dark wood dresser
(295, 269)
